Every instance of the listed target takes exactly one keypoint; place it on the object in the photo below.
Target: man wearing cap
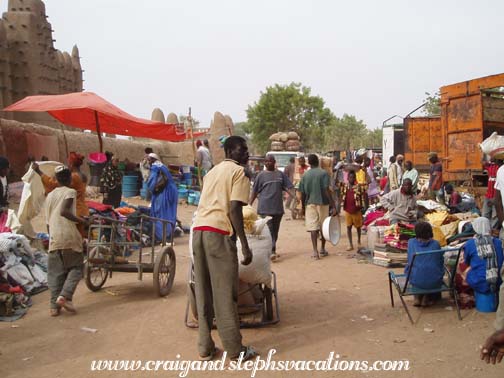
(65, 261)
(78, 183)
(436, 178)
(164, 195)
(4, 192)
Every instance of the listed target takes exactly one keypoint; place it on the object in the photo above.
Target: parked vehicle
(470, 112)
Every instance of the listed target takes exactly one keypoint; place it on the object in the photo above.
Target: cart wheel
(96, 275)
(164, 271)
(268, 302)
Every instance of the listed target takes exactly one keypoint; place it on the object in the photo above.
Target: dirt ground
(323, 305)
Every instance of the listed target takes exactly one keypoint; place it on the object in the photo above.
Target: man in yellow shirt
(218, 222)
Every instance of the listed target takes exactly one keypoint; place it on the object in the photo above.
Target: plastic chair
(404, 287)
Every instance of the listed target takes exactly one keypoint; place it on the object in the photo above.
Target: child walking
(352, 197)
(66, 261)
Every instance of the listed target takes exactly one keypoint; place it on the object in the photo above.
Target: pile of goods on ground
(285, 141)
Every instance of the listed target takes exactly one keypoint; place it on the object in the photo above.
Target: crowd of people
(218, 224)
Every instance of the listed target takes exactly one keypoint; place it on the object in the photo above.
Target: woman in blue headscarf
(483, 254)
(164, 195)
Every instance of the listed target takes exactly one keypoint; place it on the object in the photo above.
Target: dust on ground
(335, 304)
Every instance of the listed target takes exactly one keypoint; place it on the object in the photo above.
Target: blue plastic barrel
(130, 186)
(486, 302)
(183, 193)
(196, 195)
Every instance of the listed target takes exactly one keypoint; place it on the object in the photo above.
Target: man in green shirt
(316, 198)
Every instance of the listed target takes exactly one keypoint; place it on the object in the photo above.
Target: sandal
(247, 353)
(211, 356)
(315, 257)
(55, 311)
(324, 253)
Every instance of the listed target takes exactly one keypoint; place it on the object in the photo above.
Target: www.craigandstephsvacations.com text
(254, 366)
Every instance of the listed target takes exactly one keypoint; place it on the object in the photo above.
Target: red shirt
(455, 199)
(350, 206)
(492, 169)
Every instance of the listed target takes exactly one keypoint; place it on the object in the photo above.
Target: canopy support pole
(97, 121)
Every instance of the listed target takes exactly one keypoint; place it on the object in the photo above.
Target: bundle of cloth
(23, 272)
(22, 266)
(397, 235)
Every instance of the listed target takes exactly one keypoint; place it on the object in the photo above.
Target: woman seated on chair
(428, 270)
(483, 254)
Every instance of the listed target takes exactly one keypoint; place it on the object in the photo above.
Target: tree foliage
(345, 133)
(432, 106)
(288, 108)
(293, 108)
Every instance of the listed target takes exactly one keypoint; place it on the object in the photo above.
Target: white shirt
(204, 157)
(499, 181)
(63, 233)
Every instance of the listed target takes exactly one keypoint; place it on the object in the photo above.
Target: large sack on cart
(493, 146)
(260, 242)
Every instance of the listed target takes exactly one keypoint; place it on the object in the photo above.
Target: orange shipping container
(470, 112)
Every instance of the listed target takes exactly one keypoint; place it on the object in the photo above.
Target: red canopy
(86, 110)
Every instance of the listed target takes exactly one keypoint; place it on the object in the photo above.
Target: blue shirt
(476, 278)
(270, 186)
(428, 270)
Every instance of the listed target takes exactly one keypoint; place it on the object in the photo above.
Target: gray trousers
(216, 281)
(64, 271)
(274, 227)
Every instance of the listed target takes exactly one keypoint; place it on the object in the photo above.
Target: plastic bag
(493, 145)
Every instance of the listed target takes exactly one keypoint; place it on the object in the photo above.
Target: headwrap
(486, 250)
(4, 163)
(75, 159)
(154, 156)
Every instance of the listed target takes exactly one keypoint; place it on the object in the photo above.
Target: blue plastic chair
(404, 287)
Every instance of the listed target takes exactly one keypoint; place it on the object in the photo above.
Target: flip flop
(211, 356)
(248, 353)
(315, 257)
(324, 253)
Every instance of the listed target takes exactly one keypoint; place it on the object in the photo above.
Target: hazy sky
(369, 58)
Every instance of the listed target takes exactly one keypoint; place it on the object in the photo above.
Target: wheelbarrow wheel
(164, 271)
(268, 302)
(96, 274)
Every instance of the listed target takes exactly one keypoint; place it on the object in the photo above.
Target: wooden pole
(200, 183)
(97, 121)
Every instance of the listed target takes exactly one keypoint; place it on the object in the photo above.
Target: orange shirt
(50, 183)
